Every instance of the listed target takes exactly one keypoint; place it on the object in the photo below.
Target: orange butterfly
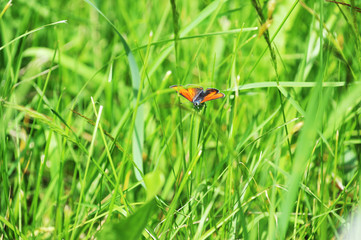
(197, 95)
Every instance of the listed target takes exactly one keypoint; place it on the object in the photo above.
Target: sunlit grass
(94, 143)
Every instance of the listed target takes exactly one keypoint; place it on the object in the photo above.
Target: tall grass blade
(138, 132)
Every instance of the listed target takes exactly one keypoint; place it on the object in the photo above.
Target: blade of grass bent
(30, 32)
(138, 133)
(286, 84)
(137, 124)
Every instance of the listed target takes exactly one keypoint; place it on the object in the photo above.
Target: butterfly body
(197, 95)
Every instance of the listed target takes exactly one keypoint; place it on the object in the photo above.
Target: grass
(94, 143)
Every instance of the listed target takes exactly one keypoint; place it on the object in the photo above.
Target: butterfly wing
(211, 94)
(188, 93)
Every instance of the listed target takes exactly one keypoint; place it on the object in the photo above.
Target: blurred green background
(93, 138)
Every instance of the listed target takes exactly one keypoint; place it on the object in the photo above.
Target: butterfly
(197, 95)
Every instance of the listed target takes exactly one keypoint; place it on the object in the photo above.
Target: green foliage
(130, 228)
(94, 143)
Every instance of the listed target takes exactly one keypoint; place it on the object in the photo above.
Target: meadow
(94, 144)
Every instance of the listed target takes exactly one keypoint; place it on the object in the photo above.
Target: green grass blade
(30, 32)
(138, 132)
